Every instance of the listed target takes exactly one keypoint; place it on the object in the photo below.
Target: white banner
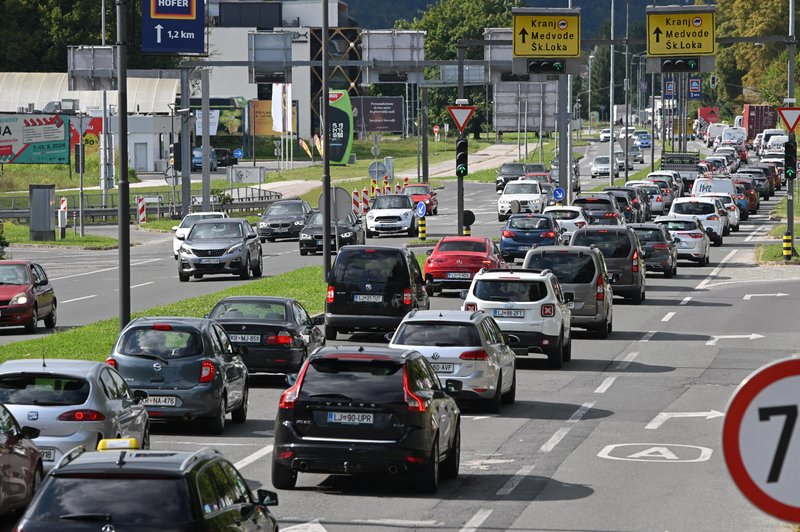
(213, 122)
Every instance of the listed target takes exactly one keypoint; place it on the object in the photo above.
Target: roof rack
(71, 455)
(195, 456)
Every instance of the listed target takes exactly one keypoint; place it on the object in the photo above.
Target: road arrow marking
(715, 339)
(158, 27)
(657, 32)
(748, 297)
(664, 416)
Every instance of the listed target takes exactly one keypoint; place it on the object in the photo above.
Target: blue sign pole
(173, 26)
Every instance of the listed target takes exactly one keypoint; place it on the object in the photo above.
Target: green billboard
(340, 129)
(34, 139)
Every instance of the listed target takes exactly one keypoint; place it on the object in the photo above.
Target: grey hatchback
(188, 368)
(227, 245)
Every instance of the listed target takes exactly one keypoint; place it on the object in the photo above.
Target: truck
(685, 163)
(757, 118)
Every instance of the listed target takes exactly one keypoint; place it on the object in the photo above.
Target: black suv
(509, 172)
(225, 157)
(601, 208)
(283, 219)
(367, 410)
(138, 491)
(372, 287)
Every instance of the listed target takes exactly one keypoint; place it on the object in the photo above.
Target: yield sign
(790, 115)
(462, 113)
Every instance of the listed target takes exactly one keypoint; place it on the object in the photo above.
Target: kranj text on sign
(34, 139)
(173, 26)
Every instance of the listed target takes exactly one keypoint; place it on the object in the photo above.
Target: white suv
(528, 194)
(529, 307)
(463, 346)
(706, 210)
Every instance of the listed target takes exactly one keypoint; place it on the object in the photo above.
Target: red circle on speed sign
(761, 438)
(435, 130)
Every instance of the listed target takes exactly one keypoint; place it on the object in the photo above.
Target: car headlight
(19, 299)
(234, 248)
(427, 202)
(305, 236)
(186, 249)
(262, 224)
(299, 222)
(348, 234)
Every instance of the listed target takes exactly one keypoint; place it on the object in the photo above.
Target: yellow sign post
(686, 33)
(546, 35)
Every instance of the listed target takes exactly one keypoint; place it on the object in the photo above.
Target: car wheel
(244, 273)
(216, 424)
(637, 298)
(240, 414)
(330, 332)
(453, 461)
(568, 350)
(511, 395)
(735, 228)
(369, 233)
(429, 289)
(411, 230)
(50, 320)
(718, 242)
(429, 479)
(493, 405)
(303, 252)
(259, 267)
(283, 477)
(34, 323)
(669, 273)
(38, 477)
(555, 356)
(435, 211)
(601, 331)
(183, 277)
(146, 437)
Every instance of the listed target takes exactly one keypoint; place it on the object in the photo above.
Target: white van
(704, 185)
(776, 142)
(713, 131)
(767, 134)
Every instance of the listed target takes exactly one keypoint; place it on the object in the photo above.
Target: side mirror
(709, 231)
(174, 228)
(291, 378)
(388, 336)
(180, 237)
(511, 339)
(463, 294)
(318, 319)
(676, 240)
(29, 433)
(453, 386)
(429, 252)
(241, 350)
(251, 235)
(569, 297)
(267, 498)
(139, 396)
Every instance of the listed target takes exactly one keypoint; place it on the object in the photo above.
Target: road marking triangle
(790, 115)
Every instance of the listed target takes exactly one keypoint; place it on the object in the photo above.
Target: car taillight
(635, 264)
(480, 354)
(660, 246)
(713, 218)
(207, 371)
(659, 199)
(414, 403)
(628, 208)
(601, 288)
(610, 215)
(732, 208)
(406, 296)
(471, 307)
(665, 191)
(329, 298)
(580, 224)
(548, 310)
(162, 327)
(635, 201)
(112, 362)
(289, 396)
(82, 415)
(509, 234)
(282, 338)
(696, 235)
(549, 234)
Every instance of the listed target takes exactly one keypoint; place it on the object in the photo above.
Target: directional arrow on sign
(158, 32)
(715, 339)
(748, 297)
(664, 416)
(523, 33)
(657, 32)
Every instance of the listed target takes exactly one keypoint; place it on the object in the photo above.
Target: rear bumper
(87, 436)
(518, 251)
(263, 360)
(197, 402)
(626, 290)
(658, 264)
(292, 232)
(531, 342)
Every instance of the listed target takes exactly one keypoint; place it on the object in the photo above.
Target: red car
(26, 296)
(426, 195)
(21, 462)
(456, 259)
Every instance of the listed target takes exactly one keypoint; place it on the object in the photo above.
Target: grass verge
(778, 230)
(20, 234)
(773, 254)
(95, 341)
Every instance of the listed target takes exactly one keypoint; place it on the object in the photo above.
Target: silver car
(72, 403)
(186, 225)
(693, 241)
(220, 246)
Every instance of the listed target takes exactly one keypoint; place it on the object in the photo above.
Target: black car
(356, 409)
(629, 210)
(188, 368)
(634, 198)
(601, 208)
(660, 249)
(283, 219)
(509, 172)
(277, 331)
(225, 157)
(372, 288)
(142, 490)
(350, 231)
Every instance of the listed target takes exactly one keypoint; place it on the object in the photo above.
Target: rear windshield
(392, 202)
(613, 244)
(172, 343)
(564, 215)
(14, 274)
(601, 160)
(694, 208)
(252, 310)
(596, 204)
(529, 187)
(43, 389)
(537, 167)
(462, 245)
(73, 497)
(568, 267)
(745, 184)
(508, 290)
(680, 225)
(370, 380)
(651, 190)
(215, 231)
(438, 334)
(526, 223)
(649, 235)
(661, 184)
(370, 265)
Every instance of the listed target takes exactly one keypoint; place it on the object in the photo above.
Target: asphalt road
(589, 447)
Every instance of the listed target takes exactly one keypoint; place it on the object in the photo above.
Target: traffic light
(176, 156)
(680, 64)
(790, 159)
(546, 66)
(462, 148)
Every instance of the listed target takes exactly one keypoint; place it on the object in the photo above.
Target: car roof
(563, 208)
(16, 262)
(162, 463)
(645, 226)
(694, 199)
(681, 217)
(258, 299)
(287, 201)
(206, 213)
(479, 239)
(544, 250)
(445, 315)
(504, 274)
(53, 365)
(363, 351)
(181, 321)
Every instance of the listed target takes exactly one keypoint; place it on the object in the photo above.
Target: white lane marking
(668, 316)
(715, 339)
(201, 443)
(685, 300)
(246, 461)
(625, 362)
(310, 526)
(605, 385)
(748, 297)
(78, 299)
(752, 281)
(477, 520)
(647, 336)
(514, 481)
(405, 523)
(556, 438)
(716, 270)
(755, 233)
(580, 412)
(141, 284)
(662, 418)
(102, 270)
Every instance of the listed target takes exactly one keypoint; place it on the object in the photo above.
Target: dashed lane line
(647, 336)
(685, 300)
(477, 520)
(625, 362)
(605, 385)
(78, 299)
(556, 438)
(668, 316)
(514, 481)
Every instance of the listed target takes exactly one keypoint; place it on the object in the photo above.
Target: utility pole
(124, 211)
(612, 161)
(627, 86)
(460, 180)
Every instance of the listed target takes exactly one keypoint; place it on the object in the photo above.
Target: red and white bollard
(386, 189)
(141, 209)
(63, 205)
(365, 200)
(356, 202)
(405, 181)
(398, 188)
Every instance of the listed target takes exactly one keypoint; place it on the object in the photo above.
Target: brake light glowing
(635, 264)
(601, 289)
(162, 327)
(713, 218)
(480, 354)
(471, 307)
(207, 371)
(580, 224)
(111, 362)
(285, 455)
(413, 402)
(406, 296)
(329, 297)
(732, 208)
(509, 234)
(659, 199)
(282, 338)
(82, 415)
(696, 235)
(548, 310)
(549, 234)
(610, 215)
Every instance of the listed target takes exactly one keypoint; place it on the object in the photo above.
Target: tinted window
(242, 492)
(419, 378)
(649, 235)
(517, 291)
(601, 160)
(43, 389)
(528, 187)
(216, 231)
(142, 497)
(256, 310)
(595, 204)
(174, 343)
(462, 245)
(392, 202)
(437, 333)
(109, 386)
(568, 267)
(564, 215)
(372, 266)
(694, 208)
(285, 209)
(14, 274)
(531, 223)
(371, 380)
(613, 244)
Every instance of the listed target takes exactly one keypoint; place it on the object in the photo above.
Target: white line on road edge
(606, 384)
(685, 300)
(647, 336)
(102, 270)
(141, 284)
(514, 481)
(261, 453)
(755, 232)
(79, 299)
(716, 270)
(625, 362)
(477, 520)
(201, 443)
(560, 433)
(668, 316)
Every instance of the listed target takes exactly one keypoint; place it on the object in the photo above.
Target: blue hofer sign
(695, 88)
(669, 89)
(559, 194)
(173, 26)
(421, 209)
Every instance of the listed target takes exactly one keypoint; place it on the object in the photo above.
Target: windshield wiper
(151, 357)
(106, 518)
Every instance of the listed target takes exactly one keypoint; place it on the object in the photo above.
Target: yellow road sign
(680, 34)
(547, 36)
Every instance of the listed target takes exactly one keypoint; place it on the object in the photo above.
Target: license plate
(368, 298)
(443, 368)
(245, 338)
(281, 230)
(350, 418)
(209, 261)
(48, 455)
(160, 400)
(508, 313)
(459, 275)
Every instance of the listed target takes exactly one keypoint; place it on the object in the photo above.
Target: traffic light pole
(459, 179)
(564, 157)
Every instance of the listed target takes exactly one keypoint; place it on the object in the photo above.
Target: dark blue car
(525, 231)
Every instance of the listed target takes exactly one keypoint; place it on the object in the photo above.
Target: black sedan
(350, 231)
(283, 219)
(278, 332)
(660, 249)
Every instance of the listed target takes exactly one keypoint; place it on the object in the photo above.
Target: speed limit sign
(761, 438)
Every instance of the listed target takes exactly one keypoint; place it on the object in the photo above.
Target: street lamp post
(591, 58)
(612, 161)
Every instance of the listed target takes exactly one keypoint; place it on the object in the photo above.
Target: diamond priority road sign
(680, 31)
(173, 26)
(548, 33)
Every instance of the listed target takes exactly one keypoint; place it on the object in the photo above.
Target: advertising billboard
(34, 139)
(378, 114)
(341, 127)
